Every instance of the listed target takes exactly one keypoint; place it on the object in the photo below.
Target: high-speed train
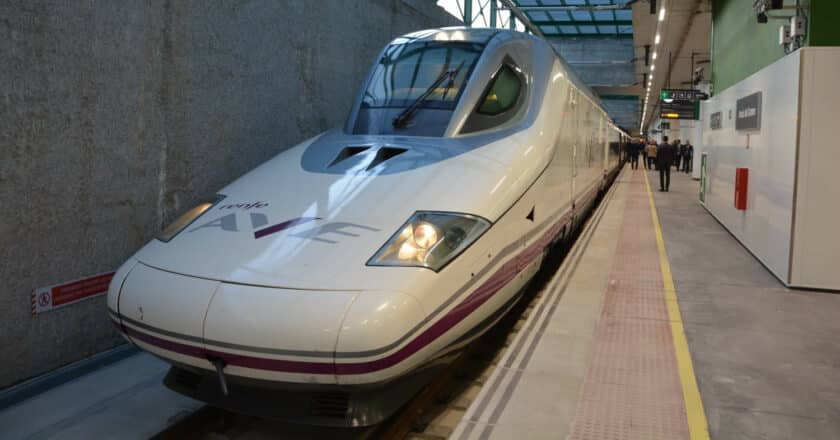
(327, 284)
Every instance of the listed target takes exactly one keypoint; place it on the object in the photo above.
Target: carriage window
(503, 93)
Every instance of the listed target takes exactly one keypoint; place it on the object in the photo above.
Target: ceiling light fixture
(656, 40)
(661, 14)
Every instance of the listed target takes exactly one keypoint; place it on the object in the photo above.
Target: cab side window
(502, 94)
(501, 101)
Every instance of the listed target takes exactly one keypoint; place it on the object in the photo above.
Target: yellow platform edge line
(698, 427)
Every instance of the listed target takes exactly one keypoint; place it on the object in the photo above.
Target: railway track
(431, 415)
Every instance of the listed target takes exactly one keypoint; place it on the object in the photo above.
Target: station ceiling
(577, 18)
(613, 44)
(596, 39)
(669, 50)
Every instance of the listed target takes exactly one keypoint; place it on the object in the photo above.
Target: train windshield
(427, 78)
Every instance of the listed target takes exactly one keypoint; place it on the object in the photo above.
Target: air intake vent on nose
(348, 152)
(384, 154)
(330, 405)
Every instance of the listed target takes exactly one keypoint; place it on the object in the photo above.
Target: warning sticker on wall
(49, 298)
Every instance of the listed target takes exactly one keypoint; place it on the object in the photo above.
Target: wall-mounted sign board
(680, 110)
(716, 120)
(49, 298)
(669, 95)
(748, 112)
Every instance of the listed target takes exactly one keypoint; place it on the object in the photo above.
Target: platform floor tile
(632, 388)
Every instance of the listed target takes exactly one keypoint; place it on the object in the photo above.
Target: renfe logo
(259, 204)
(259, 221)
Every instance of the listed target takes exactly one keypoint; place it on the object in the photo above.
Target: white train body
(278, 280)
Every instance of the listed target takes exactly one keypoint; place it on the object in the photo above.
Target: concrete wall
(117, 116)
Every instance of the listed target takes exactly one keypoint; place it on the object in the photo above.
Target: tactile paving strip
(632, 389)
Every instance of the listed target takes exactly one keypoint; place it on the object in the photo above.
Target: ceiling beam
(612, 36)
(517, 12)
(582, 23)
(633, 91)
(619, 98)
(573, 8)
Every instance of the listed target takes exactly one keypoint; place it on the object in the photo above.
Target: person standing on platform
(688, 157)
(677, 155)
(651, 155)
(665, 157)
(643, 150)
(681, 152)
(633, 151)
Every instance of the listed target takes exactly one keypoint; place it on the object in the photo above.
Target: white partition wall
(792, 215)
(816, 229)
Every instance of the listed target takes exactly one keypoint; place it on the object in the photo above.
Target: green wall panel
(741, 46)
(824, 17)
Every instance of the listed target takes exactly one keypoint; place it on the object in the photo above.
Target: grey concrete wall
(117, 116)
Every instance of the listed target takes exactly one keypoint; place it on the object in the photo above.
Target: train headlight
(430, 240)
(186, 219)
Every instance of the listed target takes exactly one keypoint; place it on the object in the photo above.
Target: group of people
(662, 157)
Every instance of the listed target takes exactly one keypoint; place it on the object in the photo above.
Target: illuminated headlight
(430, 240)
(186, 218)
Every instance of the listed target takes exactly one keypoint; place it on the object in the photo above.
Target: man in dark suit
(677, 153)
(688, 157)
(635, 148)
(665, 158)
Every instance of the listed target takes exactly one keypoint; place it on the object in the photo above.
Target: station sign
(716, 120)
(679, 110)
(688, 95)
(748, 112)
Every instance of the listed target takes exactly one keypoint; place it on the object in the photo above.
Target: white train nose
(276, 334)
(163, 313)
(379, 337)
(269, 333)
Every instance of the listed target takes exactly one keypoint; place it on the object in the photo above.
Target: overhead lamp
(652, 67)
(656, 40)
(662, 14)
(654, 55)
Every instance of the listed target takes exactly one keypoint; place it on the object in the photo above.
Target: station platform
(658, 325)
(123, 400)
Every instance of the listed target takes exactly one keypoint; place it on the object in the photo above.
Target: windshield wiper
(405, 116)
